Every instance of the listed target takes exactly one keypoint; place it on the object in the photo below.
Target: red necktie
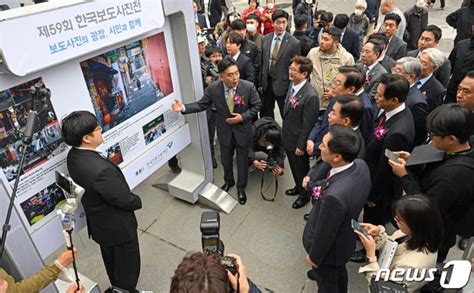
(382, 120)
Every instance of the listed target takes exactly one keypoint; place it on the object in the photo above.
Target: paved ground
(266, 234)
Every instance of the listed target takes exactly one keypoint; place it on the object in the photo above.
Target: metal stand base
(187, 186)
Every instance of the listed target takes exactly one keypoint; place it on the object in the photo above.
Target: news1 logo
(454, 274)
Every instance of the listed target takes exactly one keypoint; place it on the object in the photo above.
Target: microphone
(30, 127)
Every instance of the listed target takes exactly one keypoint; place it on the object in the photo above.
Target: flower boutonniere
(379, 132)
(368, 78)
(293, 102)
(239, 101)
(424, 96)
(318, 189)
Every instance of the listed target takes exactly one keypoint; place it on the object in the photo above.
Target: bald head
(387, 6)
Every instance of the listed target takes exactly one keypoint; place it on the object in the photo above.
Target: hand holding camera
(241, 277)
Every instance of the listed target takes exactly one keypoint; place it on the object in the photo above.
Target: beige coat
(325, 68)
(404, 258)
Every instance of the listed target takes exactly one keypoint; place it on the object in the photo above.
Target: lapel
(297, 95)
(284, 44)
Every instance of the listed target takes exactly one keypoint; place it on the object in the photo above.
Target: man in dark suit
(386, 61)
(431, 89)
(236, 102)
(462, 61)
(108, 202)
(301, 34)
(277, 50)
(215, 12)
(198, 16)
(349, 37)
(395, 131)
(429, 38)
(410, 68)
(246, 69)
(371, 67)
(328, 238)
(299, 115)
(396, 47)
(372, 13)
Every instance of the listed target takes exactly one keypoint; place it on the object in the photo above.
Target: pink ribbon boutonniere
(316, 192)
(424, 96)
(239, 101)
(293, 102)
(380, 132)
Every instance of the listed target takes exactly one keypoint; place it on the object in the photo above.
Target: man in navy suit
(198, 16)
(108, 202)
(236, 102)
(246, 69)
(328, 238)
(349, 37)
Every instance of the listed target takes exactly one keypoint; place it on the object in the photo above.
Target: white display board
(129, 87)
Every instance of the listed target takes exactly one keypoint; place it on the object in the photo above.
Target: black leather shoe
(226, 186)
(310, 275)
(358, 256)
(175, 169)
(292, 192)
(306, 217)
(214, 163)
(462, 244)
(242, 197)
(300, 202)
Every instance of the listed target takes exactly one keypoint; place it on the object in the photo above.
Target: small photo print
(114, 154)
(154, 129)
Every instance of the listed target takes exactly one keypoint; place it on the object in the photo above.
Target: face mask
(420, 3)
(270, 5)
(358, 12)
(309, 1)
(251, 27)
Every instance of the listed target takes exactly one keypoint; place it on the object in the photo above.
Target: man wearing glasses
(108, 202)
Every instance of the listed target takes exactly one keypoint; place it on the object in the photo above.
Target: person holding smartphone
(419, 235)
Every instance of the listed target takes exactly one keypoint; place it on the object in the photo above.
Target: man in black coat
(108, 202)
(328, 237)
(301, 34)
(246, 69)
(299, 115)
(215, 12)
(277, 50)
(395, 131)
(396, 47)
(429, 38)
(236, 102)
(349, 37)
(462, 61)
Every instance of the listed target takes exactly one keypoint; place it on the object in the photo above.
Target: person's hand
(371, 204)
(208, 80)
(328, 94)
(368, 242)
(260, 89)
(260, 165)
(234, 120)
(371, 229)
(306, 179)
(177, 106)
(309, 147)
(277, 171)
(73, 288)
(403, 155)
(399, 168)
(65, 258)
(243, 281)
(3, 286)
(299, 152)
(310, 262)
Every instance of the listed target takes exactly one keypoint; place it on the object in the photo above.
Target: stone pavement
(266, 234)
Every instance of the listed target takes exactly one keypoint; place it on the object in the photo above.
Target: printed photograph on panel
(127, 80)
(42, 203)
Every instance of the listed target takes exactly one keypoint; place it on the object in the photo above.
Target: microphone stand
(27, 140)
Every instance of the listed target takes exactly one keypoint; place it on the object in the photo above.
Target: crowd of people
(349, 90)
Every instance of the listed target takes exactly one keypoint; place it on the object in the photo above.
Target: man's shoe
(300, 202)
(214, 163)
(242, 197)
(292, 192)
(462, 244)
(306, 217)
(310, 275)
(175, 169)
(226, 186)
(358, 256)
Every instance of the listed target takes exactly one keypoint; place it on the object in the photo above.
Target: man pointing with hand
(236, 102)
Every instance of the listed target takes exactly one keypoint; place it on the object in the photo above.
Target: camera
(68, 185)
(211, 243)
(271, 162)
(212, 71)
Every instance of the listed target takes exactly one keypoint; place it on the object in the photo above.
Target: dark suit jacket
(350, 41)
(251, 50)
(434, 92)
(396, 48)
(215, 12)
(328, 237)
(419, 109)
(289, 48)
(442, 73)
(202, 20)
(246, 69)
(388, 63)
(367, 123)
(299, 119)
(374, 77)
(400, 135)
(214, 95)
(108, 202)
(372, 10)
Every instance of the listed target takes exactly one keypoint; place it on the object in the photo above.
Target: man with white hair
(411, 68)
(386, 7)
(431, 89)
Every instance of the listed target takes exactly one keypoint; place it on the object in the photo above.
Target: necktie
(276, 49)
(230, 99)
(418, 84)
(382, 120)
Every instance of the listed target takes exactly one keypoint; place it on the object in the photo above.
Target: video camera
(211, 243)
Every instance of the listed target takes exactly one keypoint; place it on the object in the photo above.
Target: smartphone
(391, 155)
(356, 226)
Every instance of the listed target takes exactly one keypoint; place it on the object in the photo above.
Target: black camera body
(271, 162)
